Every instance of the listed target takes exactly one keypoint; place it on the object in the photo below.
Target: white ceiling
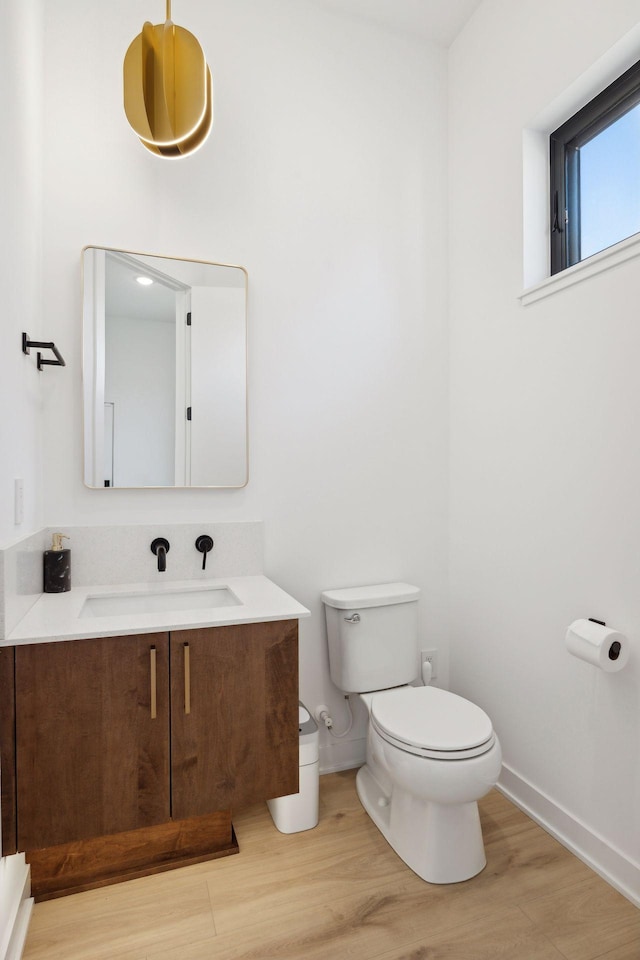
(436, 20)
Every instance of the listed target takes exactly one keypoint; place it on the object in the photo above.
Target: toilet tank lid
(376, 595)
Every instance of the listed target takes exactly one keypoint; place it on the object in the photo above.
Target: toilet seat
(432, 723)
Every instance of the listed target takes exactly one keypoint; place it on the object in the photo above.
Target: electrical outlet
(432, 657)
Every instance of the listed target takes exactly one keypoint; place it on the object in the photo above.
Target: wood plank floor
(339, 891)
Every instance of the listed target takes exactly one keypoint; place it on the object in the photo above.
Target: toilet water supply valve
(324, 717)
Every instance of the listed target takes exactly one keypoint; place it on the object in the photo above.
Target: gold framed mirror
(164, 371)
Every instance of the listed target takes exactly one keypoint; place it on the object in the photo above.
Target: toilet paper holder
(591, 640)
(616, 646)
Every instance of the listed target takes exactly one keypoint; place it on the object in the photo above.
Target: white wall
(545, 458)
(20, 264)
(325, 177)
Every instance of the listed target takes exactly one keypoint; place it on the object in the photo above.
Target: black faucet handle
(204, 544)
(160, 547)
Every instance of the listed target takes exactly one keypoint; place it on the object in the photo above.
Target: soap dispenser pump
(57, 566)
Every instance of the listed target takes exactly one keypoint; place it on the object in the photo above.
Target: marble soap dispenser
(57, 566)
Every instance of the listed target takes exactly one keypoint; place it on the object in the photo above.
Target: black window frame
(564, 148)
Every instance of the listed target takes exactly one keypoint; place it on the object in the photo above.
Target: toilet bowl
(431, 755)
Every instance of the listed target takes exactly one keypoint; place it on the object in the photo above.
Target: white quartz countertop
(57, 616)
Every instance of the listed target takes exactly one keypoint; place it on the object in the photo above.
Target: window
(595, 174)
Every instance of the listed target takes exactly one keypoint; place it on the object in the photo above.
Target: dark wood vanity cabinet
(131, 752)
(234, 731)
(92, 755)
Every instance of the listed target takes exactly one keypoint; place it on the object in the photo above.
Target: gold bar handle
(154, 684)
(187, 679)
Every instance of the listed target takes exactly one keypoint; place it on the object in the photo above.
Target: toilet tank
(372, 633)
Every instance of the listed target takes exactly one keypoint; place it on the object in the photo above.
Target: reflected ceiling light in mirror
(144, 281)
(168, 97)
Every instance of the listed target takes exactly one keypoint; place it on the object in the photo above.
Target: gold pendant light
(167, 89)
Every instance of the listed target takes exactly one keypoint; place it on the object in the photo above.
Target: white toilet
(431, 754)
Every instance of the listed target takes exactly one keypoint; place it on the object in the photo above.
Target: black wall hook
(46, 345)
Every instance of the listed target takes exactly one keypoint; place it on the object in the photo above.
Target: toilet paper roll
(597, 644)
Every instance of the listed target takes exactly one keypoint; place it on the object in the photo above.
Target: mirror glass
(164, 371)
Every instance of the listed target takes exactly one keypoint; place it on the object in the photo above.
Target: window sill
(619, 253)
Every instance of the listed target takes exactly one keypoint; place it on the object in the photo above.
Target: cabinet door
(92, 723)
(7, 751)
(234, 716)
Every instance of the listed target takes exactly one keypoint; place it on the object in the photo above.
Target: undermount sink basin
(165, 601)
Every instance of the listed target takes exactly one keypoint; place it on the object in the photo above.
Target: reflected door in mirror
(164, 365)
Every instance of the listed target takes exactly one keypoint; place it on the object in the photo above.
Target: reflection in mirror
(164, 368)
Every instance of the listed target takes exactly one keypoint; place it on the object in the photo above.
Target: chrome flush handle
(354, 618)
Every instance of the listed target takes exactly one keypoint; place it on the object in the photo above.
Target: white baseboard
(20, 930)
(15, 905)
(611, 864)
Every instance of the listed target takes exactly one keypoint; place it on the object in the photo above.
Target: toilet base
(442, 843)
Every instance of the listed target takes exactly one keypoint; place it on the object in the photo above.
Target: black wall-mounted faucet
(160, 547)
(204, 544)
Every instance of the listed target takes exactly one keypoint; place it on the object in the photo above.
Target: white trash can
(299, 811)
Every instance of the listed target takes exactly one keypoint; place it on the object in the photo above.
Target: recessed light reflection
(144, 281)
